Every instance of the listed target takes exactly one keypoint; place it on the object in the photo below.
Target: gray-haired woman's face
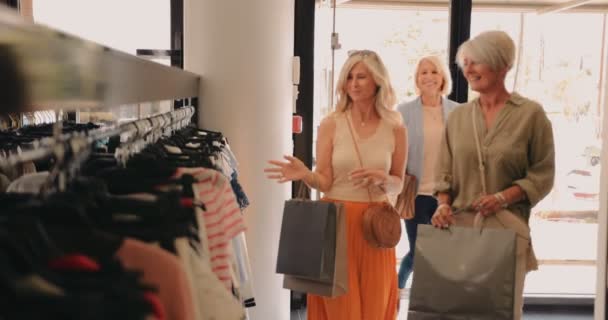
(480, 76)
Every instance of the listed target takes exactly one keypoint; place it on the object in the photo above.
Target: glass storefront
(558, 65)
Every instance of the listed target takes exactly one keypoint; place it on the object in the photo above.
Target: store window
(558, 65)
(122, 25)
(400, 37)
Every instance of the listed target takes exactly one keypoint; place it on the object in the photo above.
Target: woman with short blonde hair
(424, 118)
(441, 68)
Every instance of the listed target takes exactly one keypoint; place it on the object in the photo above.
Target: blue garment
(412, 118)
(241, 197)
(424, 207)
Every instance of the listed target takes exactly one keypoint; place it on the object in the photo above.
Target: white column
(602, 224)
(242, 50)
(600, 311)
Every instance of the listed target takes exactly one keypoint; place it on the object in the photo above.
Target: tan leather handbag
(381, 223)
(407, 198)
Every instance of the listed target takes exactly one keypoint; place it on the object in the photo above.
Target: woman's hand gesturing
(283, 171)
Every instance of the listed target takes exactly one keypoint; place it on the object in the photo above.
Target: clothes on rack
(172, 213)
(220, 222)
(26, 138)
(162, 270)
(62, 284)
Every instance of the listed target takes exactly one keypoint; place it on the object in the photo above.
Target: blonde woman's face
(429, 80)
(360, 84)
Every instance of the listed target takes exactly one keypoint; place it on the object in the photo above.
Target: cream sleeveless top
(376, 153)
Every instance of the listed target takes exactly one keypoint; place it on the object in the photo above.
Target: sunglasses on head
(363, 53)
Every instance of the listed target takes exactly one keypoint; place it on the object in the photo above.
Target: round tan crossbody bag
(381, 222)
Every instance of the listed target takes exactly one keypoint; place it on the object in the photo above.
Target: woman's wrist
(310, 179)
(387, 184)
(501, 199)
(443, 198)
(443, 205)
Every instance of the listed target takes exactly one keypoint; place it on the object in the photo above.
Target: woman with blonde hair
(365, 102)
(424, 118)
(497, 157)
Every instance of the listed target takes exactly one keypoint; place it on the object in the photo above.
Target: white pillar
(600, 311)
(242, 50)
(602, 224)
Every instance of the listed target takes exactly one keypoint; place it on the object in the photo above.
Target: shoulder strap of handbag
(478, 218)
(482, 168)
(352, 134)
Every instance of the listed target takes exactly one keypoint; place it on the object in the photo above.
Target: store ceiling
(520, 5)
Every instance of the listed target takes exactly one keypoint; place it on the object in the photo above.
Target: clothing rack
(81, 142)
(47, 69)
(147, 213)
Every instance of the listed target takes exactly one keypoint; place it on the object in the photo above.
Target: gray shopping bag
(463, 273)
(307, 242)
(338, 285)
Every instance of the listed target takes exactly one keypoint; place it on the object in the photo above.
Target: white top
(432, 131)
(376, 153)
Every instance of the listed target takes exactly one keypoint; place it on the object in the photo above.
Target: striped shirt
(220, 223)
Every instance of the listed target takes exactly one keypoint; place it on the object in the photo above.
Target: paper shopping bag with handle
(312, 247)
(463, 273)
(336, 286)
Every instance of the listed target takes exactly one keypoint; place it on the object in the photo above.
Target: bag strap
(482, 168)
(352, 134)
(303, 187)
(479, 219)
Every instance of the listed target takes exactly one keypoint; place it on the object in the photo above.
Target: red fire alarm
(296, 124)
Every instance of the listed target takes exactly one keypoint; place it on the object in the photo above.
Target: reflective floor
(530, 313)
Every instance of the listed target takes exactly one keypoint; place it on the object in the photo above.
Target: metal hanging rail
(48, 147)
(45, 69)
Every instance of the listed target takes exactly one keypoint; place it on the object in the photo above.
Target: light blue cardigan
(412, 118)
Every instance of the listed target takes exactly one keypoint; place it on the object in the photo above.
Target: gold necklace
(431, 111)
(362, 119)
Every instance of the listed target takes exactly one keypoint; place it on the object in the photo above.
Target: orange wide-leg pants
(372, 278)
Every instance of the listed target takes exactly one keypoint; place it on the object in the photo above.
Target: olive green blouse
(517, 149)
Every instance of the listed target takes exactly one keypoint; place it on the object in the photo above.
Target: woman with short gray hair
(512, 138)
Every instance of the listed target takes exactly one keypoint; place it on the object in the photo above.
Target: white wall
(242, 50)
(125, 25)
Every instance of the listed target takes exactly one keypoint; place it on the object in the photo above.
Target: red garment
(163, 271)
(74, 262)
(157, 307)
(186, 202)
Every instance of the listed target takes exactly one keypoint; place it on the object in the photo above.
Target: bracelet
(501, 198)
